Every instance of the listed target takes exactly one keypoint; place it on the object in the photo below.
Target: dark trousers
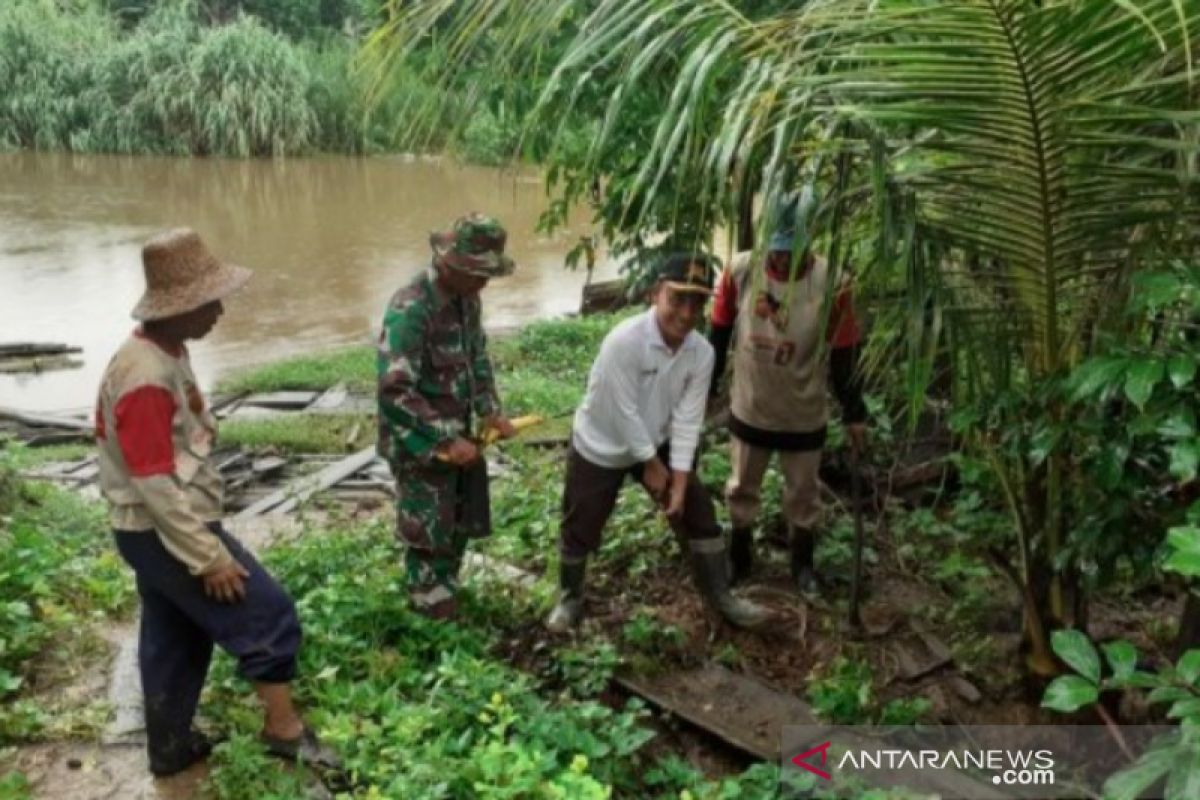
(590, 493)
(180, 624)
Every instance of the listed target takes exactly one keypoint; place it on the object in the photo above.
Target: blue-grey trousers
(180, 624)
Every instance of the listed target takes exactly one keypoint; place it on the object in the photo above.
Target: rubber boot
(711, 571)
(568, 611)
(804, 575)
(741, 554)
(165, 762)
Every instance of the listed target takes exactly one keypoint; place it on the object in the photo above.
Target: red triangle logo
(802, 760)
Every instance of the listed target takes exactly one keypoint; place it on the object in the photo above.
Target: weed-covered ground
(493, 707)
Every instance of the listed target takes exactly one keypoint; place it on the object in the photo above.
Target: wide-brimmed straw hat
(182, 275)
(475, 245)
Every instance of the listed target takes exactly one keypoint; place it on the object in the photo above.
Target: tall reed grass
(76, 79)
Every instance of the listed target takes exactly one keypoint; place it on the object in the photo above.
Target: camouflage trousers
(430, 525)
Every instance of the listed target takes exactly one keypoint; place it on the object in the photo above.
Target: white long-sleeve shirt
(640, 394)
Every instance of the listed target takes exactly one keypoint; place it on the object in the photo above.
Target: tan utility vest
(139, 362)
(779, 364)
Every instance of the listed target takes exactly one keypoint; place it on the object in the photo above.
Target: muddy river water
(329, 238)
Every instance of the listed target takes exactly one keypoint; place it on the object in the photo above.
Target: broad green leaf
(1184, 562)
(1184, 783)
(1185, 708)
(1141, 680)
(1184, 544)
(1169, 694)
(1043, 443)
(1069, 693)
(1140, 380)
(1188, 666)
(1185, 457)
(1128, 784)
(1157, 289)
(1122, 657)
(1181, 424)
(1181, 369)
(1111, 466)
(1095, 374)
(1077, 650)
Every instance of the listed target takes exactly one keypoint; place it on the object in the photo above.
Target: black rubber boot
(711, 571)
(569, 610)
(179, 754)
(741, 554)
(803, 543)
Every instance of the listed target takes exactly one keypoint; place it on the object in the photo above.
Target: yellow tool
(491, 435)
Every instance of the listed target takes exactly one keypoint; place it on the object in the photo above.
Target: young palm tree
(1010, 162)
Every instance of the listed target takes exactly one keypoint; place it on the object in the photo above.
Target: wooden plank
(23, 349)
(59, 437)
(331, 398)
(35, 364)
(292, 401)
(750, 715)
(224, 406)
(739, 710)
(603, 296)
(45, 420)
(301, 489)
(86, 461)
(267, 466)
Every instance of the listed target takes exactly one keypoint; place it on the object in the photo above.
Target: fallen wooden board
(301, 489)
(46, 421)
(22, 349)
(750, 715)
(58, 437)
(331, 398)
(268, 466)
(739, 710)
(283, 400)
(35, 364)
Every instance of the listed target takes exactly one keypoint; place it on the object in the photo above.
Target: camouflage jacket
(435, 378)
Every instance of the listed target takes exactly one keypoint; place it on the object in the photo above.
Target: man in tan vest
(784, 345)
(198, 586)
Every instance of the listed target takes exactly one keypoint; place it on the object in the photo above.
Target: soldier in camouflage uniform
(436, 397)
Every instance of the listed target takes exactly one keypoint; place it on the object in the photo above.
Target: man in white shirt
(641, 417)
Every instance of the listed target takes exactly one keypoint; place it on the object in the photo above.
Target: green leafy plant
(1174, 757)
(1008, 213)
(646, 633)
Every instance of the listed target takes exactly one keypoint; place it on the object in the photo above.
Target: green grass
(302, 433)
(353, 366)
(422, 709)
(25, 458)
(542, 368)
(59, 576)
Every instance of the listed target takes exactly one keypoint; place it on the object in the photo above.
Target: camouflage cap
(475, 245)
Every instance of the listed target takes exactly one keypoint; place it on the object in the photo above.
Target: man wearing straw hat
(780, 365)
(437, 396)
(155, 434)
